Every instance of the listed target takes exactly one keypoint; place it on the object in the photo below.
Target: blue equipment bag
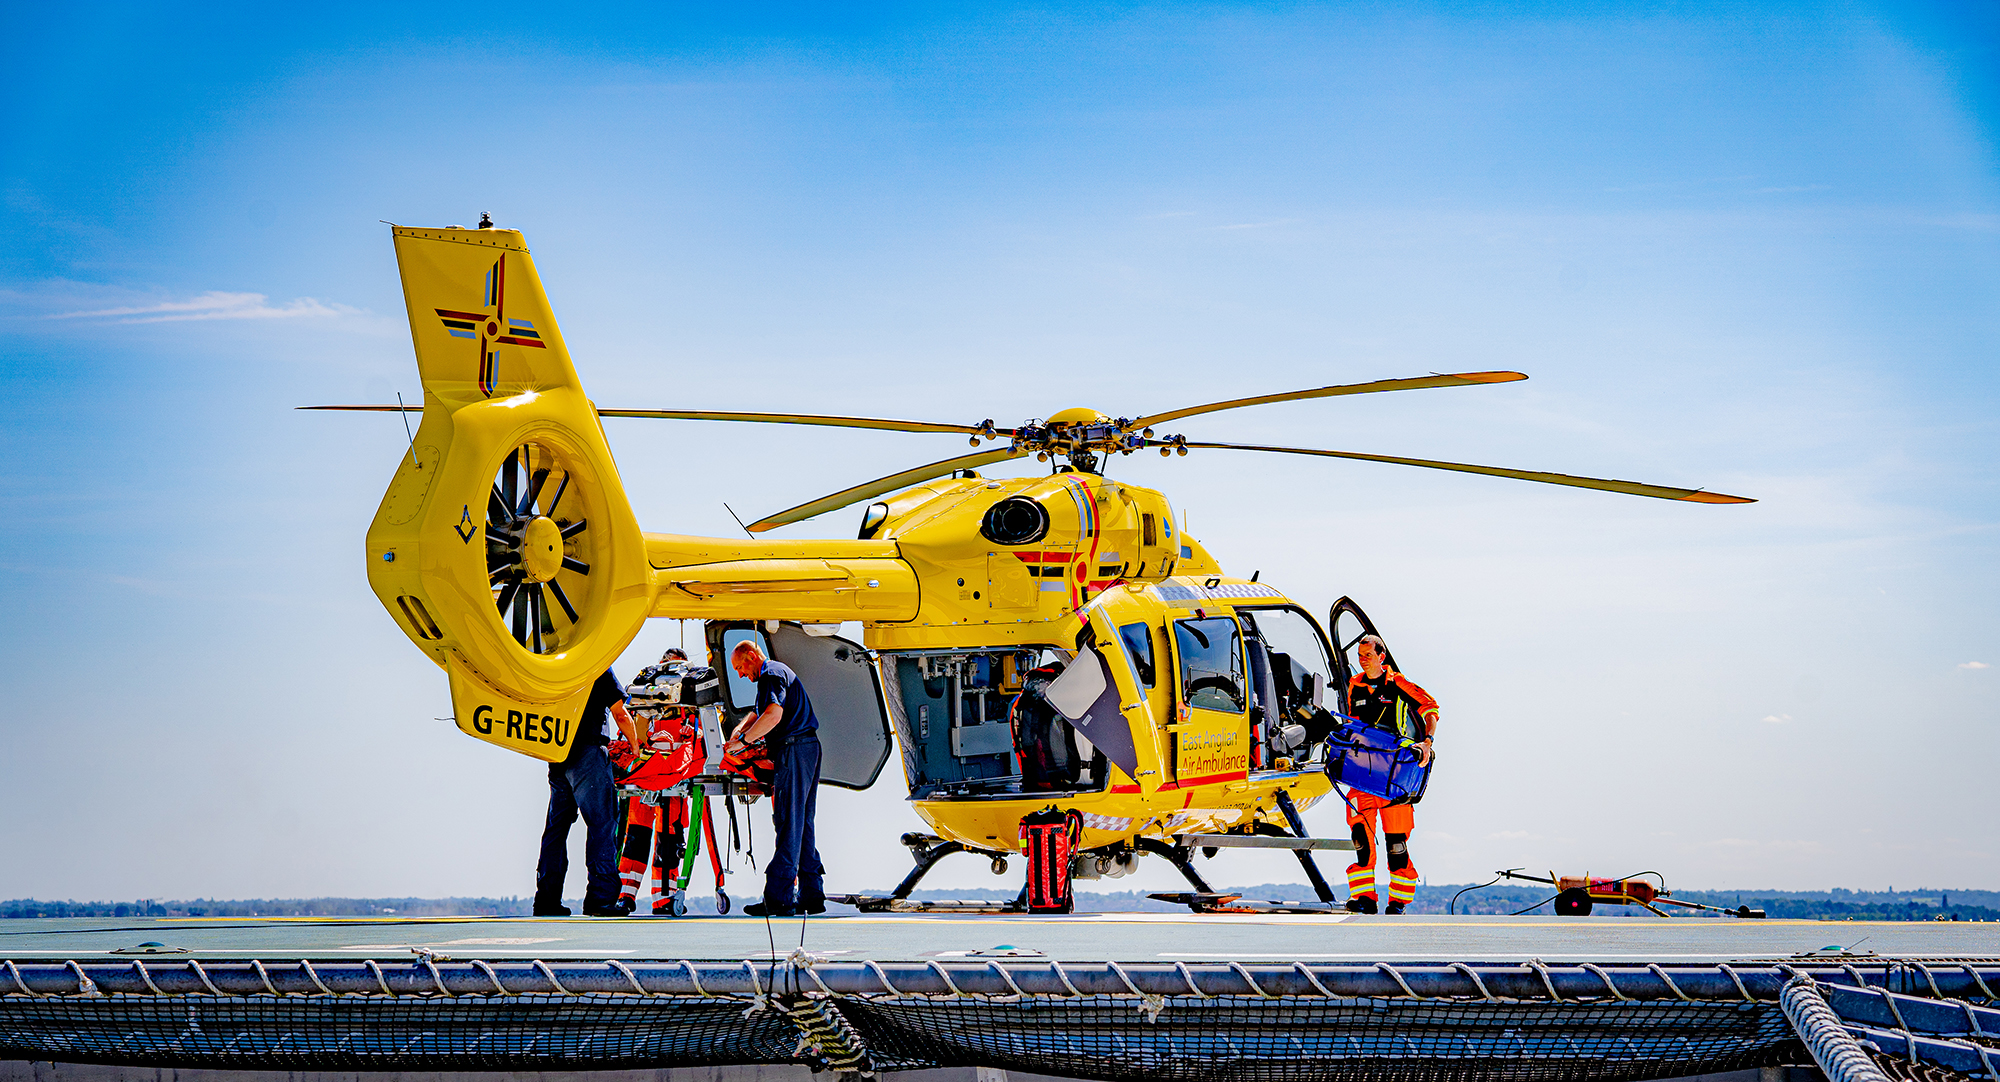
(1370, 760)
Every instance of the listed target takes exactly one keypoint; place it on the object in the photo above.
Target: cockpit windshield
(1211, 656)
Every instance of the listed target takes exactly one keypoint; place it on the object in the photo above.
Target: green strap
(693, 835)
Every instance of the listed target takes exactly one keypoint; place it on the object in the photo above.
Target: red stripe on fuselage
(1210, 779)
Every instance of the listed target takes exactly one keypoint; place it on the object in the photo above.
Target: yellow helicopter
(1183, 689)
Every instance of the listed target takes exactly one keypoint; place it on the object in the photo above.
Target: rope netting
(1278, 1040)
(1256, 1022)
(322, 1032)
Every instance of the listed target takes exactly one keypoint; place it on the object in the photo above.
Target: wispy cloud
(1777, 719)
(1259, 225)
(1973, 665)
(215, 305)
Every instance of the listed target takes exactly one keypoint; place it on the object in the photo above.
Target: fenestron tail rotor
(531, 545)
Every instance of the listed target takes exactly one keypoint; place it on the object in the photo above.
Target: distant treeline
(274, 907)
(1499, 898)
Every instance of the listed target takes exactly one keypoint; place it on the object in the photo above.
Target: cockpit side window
(1295, 643)
(1138, 640)
(1211, 656)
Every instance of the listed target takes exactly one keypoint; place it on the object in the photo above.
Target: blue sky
(1750, 248)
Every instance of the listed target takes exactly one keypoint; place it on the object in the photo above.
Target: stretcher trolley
(682, 767)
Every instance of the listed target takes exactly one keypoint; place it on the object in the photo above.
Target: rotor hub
(541, 549)
(1084, 437)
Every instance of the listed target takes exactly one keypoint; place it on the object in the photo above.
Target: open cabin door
(839, 677)
(1345, 625)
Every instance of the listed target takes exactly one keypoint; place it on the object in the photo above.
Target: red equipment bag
(1048, 840)
(673, 754)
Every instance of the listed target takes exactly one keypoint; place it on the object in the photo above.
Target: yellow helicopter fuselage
(934, 585)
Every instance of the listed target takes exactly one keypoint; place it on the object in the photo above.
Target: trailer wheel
(1574, 902)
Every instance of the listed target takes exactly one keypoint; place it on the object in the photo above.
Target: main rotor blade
(1459, 379)
(1633, 488)
(881, 485)
(826, 420)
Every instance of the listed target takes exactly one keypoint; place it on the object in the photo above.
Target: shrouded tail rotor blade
(507, 492)
(534, 492)
(571, 563)
(1632, 488)
(520, 617)
(880, 486)
(535, 615)
(1457, 379)
(827, 420)
(562, 599)
(561, 487)
(575, 528)
(506, 597)
(498, 511)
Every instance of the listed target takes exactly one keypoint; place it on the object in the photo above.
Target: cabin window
(1138, 640)
(1211, 663)
(742, 693)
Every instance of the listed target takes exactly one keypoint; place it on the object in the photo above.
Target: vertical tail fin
(528, 599)
(480, 321)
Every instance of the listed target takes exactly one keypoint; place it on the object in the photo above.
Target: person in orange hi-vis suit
(656, 833)
(1386, 699)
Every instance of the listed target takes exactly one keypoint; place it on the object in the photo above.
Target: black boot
(1394, 907)
(620, 908)
(1363, 903)
(766, 909)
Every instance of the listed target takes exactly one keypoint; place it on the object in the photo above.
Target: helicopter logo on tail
(491, 328)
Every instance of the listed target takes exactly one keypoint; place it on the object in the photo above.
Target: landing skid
(928, 849)
(1210, 902)
(884, 903)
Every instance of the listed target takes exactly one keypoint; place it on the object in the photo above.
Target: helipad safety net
(1085, 1020)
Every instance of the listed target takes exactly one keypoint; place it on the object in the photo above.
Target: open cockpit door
(846, 694)
(1345, 625)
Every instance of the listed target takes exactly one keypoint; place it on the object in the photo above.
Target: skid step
(885, 903)
(1208, 902)
(1260, 841)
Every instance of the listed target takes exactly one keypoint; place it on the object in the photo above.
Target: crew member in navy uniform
(582, 783)
(785, 722)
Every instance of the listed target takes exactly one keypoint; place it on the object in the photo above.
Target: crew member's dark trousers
(794, 798)
(583, 786)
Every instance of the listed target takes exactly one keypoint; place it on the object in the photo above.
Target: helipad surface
(1133, 937)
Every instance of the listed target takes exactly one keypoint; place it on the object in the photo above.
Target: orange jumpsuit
(657, 832)
(1386, 703)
